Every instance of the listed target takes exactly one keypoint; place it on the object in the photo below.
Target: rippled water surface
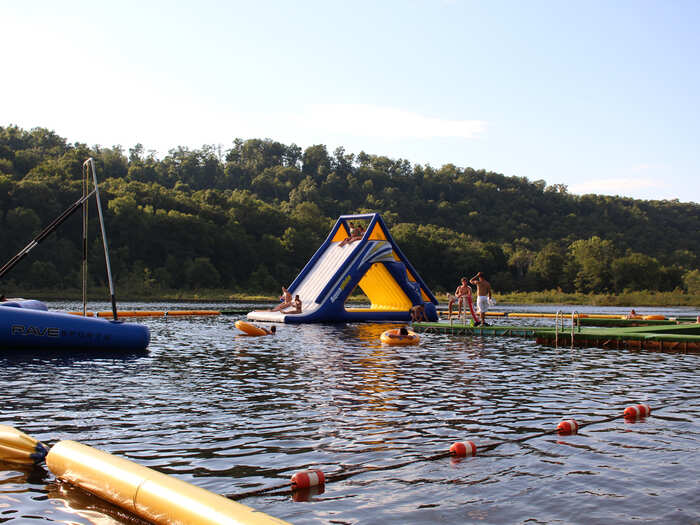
(235, 414)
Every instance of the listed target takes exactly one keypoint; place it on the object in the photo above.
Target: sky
(602, 96)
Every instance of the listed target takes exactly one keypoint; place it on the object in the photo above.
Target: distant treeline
(248, 218)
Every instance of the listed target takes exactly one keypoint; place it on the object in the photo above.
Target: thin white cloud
(365, 120)
(313, 124)
(645, 168)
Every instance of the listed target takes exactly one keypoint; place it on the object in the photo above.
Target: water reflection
(235, 414)
(74, 501)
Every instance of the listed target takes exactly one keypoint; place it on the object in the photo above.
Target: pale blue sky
(603, 96)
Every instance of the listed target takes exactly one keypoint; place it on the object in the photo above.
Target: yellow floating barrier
(488, 314)
(18, 447)
(149, 494)
(150, 313)
(156, 497)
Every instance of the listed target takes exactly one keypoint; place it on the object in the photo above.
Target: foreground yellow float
(153, 496)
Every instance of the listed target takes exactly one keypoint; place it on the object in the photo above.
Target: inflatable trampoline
(28, 325)
(373, 263)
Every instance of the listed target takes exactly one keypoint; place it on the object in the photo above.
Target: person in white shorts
(483, 295)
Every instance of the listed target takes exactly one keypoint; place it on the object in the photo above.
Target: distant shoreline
(630, 299)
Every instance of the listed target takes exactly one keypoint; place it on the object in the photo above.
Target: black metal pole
(43, 234)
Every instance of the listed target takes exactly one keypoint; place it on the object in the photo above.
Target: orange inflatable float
(393, 337)
(249, 329)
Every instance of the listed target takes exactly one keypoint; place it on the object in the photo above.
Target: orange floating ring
(568, 426)
(308, 478)
(637, 411)
(463, 449)
(393, 337)
(249, 329)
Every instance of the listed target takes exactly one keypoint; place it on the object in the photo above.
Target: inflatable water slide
(374, 263)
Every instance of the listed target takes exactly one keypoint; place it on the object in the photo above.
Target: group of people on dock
(463, 297)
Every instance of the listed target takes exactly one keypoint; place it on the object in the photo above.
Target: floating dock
(677, 337)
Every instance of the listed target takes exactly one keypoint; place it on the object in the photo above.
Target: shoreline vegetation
(541, 298)
(213, 224)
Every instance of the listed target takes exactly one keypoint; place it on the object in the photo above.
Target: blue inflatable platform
(28, 325)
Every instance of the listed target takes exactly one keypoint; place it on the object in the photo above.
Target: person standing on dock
(463, 293)
(483, 295)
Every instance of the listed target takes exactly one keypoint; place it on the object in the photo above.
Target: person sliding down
(483, 295)
(355, 235)
(352, 234)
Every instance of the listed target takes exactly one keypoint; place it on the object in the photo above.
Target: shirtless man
(483, 295)
(286, 299)
(463, 293)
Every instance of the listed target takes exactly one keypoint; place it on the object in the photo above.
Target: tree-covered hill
(248, 219)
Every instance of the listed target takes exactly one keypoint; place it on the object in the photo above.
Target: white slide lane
(314, 281)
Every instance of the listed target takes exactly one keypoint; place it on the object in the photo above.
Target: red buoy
(637, 411)
(463, 448)
(568, 426)
(308, 478)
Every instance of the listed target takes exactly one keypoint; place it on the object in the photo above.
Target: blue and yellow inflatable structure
(374, 263)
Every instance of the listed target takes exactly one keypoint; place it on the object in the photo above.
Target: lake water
(235, 414)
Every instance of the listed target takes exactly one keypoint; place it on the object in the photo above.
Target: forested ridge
(247, 218)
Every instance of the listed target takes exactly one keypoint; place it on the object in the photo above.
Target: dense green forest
(249, 217)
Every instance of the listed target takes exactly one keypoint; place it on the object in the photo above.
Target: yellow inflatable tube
(393, 337)
(249, 329)
(150, 313)
(156, 497)
(18, 447)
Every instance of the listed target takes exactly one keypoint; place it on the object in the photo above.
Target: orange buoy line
(151, 313)
(460, 449)
(463, 449)
(568, 426)
(637, 411)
